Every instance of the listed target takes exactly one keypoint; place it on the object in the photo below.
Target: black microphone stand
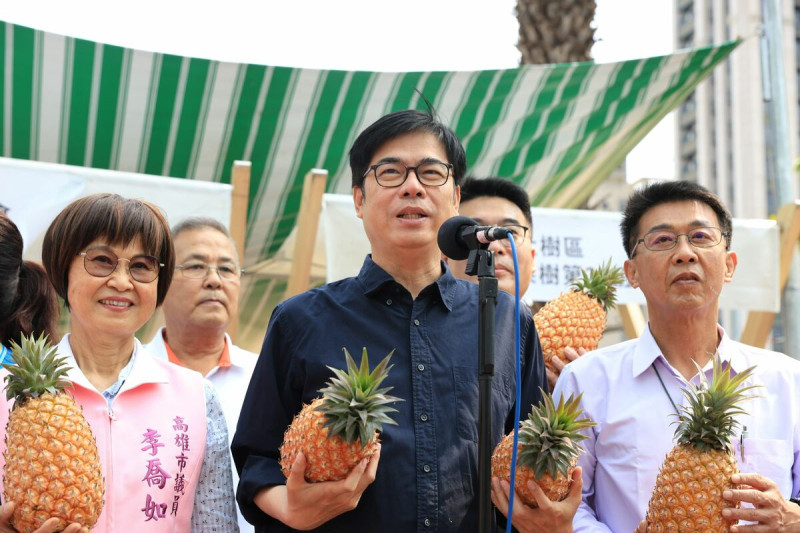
(481, 263)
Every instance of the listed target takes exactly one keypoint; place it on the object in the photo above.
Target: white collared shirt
(230, 384)
(634, 432)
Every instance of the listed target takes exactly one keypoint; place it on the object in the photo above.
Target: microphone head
(450, 242)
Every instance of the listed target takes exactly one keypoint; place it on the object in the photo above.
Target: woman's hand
(50, 526)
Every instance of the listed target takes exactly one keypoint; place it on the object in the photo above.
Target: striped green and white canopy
(558, 130)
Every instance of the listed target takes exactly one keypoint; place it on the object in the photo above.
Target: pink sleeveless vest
(151, 443)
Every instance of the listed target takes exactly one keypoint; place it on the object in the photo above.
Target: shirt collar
(647, 351)
(373, 278)
(223, 362)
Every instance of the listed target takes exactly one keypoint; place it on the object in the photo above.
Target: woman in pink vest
(159, 428)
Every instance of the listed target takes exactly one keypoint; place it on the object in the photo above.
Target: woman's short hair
(116, 220)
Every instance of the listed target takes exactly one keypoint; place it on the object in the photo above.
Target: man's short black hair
(500, 188)
(399, 123)
(661, 192)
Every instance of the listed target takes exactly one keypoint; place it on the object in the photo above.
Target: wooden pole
(306, 236)
(240, 179)
(633, 321)
(759, 323)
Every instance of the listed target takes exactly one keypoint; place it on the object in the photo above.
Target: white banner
(33, 193)
(567, 240)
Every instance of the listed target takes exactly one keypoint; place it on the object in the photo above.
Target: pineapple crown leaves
(708, 420)
(354, 406)
(600, 283)
(38, 370)
(549, 437)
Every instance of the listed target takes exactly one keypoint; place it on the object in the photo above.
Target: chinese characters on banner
(566, 242)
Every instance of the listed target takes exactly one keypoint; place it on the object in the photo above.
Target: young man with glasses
(677, 236)
(199, 306)
(407, 168)
(500, 202)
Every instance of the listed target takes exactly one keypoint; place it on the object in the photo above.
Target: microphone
(459, 235)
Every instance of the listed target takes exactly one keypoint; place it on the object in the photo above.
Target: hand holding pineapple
(52, 465)
(338, 430)
(330, 451)
(688, 495)
(771, 508)
(547, 449)
(49, 526)
(557, 364)
(577, 318)
(550, 516)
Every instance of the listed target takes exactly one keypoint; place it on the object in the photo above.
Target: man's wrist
(795, 501)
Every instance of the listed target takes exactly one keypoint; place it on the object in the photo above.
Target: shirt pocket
(466, 398)
(771, 458)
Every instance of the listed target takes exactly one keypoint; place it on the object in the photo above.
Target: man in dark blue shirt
(406, 168)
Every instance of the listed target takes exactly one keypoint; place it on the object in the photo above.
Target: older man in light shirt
(681, 280)
(200, 305)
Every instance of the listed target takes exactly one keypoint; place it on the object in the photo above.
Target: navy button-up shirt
(427, 475)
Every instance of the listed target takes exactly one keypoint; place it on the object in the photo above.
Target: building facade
(724, 141)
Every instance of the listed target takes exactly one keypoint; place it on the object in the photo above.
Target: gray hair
(200, 223)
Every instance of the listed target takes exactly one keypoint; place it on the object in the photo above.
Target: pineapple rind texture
(340, 428)
(688, 491)
(52, 465)
(577, 318)
(327, 459)
(547, 450)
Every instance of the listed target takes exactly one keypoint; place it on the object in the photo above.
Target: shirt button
(423, 417)
(389, 301)
(416, 322)
(426, 468)
(427, 522)
(420, 367)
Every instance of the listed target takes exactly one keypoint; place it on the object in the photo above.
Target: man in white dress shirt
(677, 236)
(200, 304)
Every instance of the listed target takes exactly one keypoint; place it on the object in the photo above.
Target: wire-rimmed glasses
(200, 269)
(660, 240)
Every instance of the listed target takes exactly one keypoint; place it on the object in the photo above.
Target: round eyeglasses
(101, 263)
(662, 240)
(199, 270)
(394, 174)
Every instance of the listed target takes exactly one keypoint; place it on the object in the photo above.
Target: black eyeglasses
(662, 240)
(518, 232)
(101, 263)
(430, 173)
(200, 269)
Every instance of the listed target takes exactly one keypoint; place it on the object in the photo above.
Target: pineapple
(339, 429)
(547, 449)
(52, 466)
(578, 318)
(688, 491)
